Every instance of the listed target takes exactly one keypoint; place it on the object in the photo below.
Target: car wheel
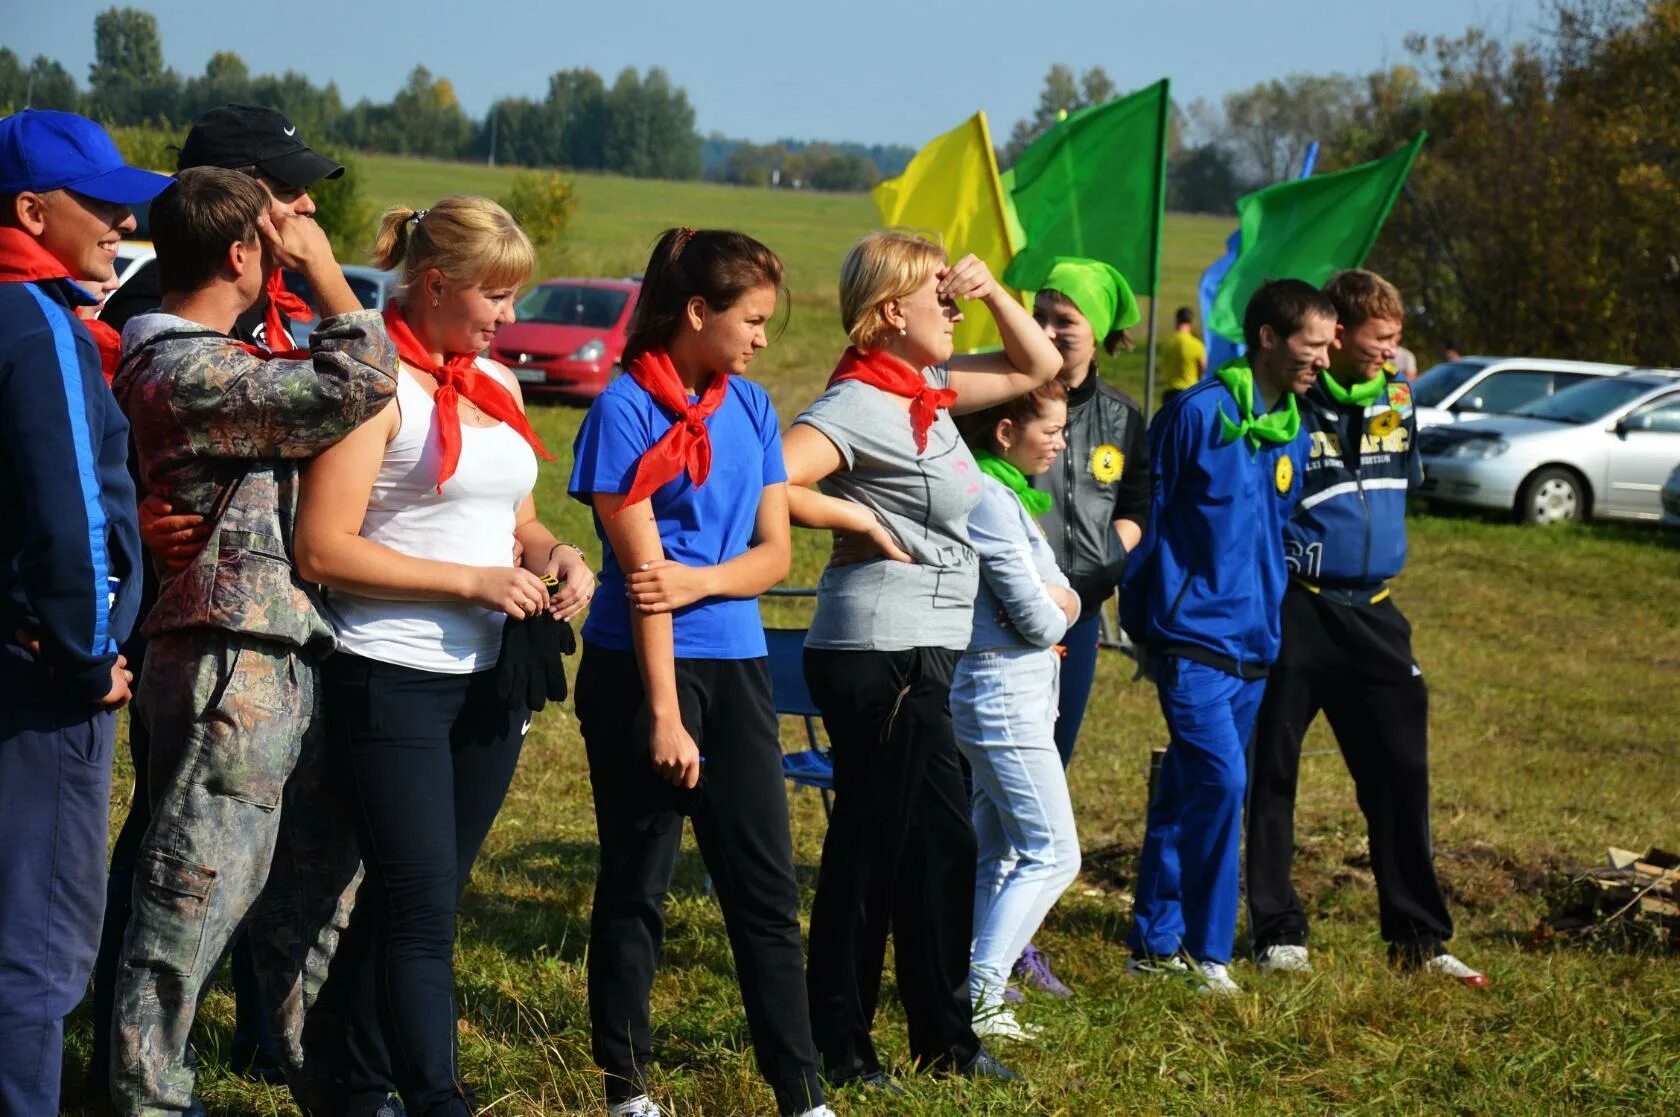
(1552, 496)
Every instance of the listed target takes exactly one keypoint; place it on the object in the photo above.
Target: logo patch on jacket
(1107, 462)
(1399, 395)
(1285, 475)
(1382, 424)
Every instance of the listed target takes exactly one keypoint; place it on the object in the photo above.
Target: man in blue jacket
(69, 578)
(1347, 650)
(1200, 598)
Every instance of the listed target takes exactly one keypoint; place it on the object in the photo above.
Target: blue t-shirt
(698, 525)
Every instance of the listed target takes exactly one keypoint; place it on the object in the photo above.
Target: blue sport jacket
(69, 540)
(1207, 581)
(1349, 530)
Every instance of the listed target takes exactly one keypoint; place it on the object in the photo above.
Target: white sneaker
(1284, 959)
(641, 1106)
(1216, 978)
(1445, 965)
(1001, 1024)
(820, 1111)
(1157, 965)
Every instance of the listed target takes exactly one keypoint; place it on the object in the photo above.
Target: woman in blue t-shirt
(681, 461)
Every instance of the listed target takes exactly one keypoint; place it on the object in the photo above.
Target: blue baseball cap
(41, 150)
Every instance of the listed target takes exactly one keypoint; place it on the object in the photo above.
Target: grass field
(1554, 664)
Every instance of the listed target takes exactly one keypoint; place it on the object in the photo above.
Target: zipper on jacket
(1359, 486)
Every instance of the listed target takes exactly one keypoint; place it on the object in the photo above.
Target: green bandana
(1099, 291)
(1035, 502)
(1362, 394)
(1274, 426)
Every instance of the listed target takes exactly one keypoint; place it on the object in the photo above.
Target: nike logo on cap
(292, 131)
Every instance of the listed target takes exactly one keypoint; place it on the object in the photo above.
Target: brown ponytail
(716, 265)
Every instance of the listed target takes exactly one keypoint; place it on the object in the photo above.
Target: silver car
(1472, 386)
(1671, 499)
(1602, 448)
(371, 286)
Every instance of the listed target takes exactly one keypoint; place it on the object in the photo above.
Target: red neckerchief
(23, 260)
(458, 376)
(880, 369)
(688, 444)
(282, 304)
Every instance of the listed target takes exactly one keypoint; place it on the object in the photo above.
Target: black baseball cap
(249, 135)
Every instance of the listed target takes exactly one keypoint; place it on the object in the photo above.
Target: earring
(434, 300)
(902, 332)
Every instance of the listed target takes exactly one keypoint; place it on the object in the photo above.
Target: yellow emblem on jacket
(1285, 473)
(1107, 462)
(1383, 423)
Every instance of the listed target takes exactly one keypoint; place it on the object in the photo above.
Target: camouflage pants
(247, 829)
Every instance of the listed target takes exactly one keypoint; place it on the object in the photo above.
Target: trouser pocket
(171, 906)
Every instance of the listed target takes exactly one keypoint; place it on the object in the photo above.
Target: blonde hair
(881, 267)
(469, 239)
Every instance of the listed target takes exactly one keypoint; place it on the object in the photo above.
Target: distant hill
(889, 159)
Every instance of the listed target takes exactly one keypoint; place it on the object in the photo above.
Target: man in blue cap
(69, 578)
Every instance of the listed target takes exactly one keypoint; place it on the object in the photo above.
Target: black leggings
(430, 757)
(740, 820)
(899, 855)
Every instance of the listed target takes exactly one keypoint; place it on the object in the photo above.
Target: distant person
(1450, 352)
(1347, 650)
(1200, 598)
(673, 694)
(1003, 698)
(1099, 490)
(894, 612)
(1183, 357)
(1405, 363)
(69, 578)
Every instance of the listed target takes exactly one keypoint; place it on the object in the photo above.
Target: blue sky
(866, 70)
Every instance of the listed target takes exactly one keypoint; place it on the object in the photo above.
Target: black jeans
(739, 810)
(1354, 662)
(899, 855)
(430, 757)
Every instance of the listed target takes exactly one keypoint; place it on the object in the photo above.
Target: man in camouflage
(245, 828)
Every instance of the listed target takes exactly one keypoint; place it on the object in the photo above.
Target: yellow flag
(951, 187)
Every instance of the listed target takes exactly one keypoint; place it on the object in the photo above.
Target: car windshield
(562, 304)
(366, 291)
(1585, 403)
(1442, 381)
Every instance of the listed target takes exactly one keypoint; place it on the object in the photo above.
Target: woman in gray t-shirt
(894, 611)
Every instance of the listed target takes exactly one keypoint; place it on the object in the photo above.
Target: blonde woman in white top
(410, 523)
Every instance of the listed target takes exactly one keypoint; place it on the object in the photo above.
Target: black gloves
(530, 671)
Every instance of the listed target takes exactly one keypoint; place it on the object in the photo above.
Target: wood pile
(1633, 895)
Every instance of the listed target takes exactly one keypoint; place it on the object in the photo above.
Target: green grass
(1554, 664)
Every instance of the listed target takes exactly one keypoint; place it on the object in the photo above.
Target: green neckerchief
(1274, 426)
(1033, 500)
(1362, 394)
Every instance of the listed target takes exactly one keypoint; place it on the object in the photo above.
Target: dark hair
(1116, 340)
(1183, 317)
(979, 428)
(1284, 305)
(195, 220)
(714, 264)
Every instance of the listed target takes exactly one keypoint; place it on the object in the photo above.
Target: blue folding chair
(813, 767)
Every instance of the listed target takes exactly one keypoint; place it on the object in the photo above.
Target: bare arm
(634, 537)
(809, 457)
(330, 549)
(546, 555)
(1028, 360)
(664, 585)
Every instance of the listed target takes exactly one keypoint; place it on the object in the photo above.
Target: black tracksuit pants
(899, 855)
(739, 810)
(1353, 660)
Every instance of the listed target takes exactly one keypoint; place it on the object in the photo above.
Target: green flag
(1095, 186)
(1309, 229)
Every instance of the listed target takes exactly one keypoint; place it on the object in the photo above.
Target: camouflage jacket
(217, 429)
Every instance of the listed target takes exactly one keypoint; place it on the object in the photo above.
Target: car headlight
(1477, 449)
(591, 350)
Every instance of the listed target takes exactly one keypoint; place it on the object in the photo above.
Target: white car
(1600, 449)
(1472, 386)
(130, 255)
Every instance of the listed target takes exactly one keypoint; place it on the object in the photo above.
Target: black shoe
(875, 1082)
(983, 1065)
(258, 1062)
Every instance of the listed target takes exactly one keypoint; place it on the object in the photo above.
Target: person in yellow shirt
(1183, 357)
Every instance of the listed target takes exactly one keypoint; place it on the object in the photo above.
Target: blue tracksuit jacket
(1207, 581)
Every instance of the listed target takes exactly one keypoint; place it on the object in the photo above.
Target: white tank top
(470, 522)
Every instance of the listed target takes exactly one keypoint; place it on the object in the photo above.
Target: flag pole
(1149, 367)
(1160, 223)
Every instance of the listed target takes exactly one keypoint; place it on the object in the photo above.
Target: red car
(569, 336)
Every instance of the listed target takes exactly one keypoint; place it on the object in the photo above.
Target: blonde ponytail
(467, 238)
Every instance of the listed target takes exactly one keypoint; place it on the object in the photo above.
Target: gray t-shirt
(924, 499)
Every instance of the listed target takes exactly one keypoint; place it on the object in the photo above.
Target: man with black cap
(69, 585)
(262, 143)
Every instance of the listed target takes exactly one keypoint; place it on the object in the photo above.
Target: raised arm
(331, 551)
(1028, 359)
(634, 537)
